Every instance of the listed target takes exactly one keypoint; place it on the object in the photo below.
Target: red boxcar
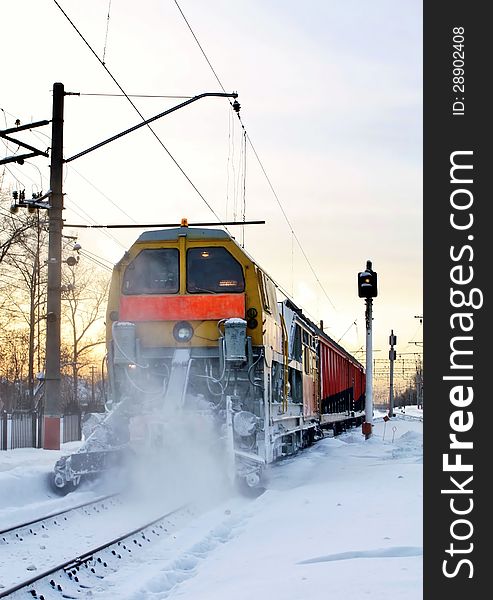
(342, 379)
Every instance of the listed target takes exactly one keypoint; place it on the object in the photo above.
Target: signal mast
(367, 288)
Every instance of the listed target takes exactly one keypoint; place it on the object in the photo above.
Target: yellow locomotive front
(192, 323)
(184, 275)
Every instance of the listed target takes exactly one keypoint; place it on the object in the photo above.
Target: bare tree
(13, 358)
(84, 293)
(24, 288)
(23, 250)
(23, 242)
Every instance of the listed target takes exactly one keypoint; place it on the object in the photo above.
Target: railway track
(79, 573)
(405, 417)
(18, 532)
(402, 417)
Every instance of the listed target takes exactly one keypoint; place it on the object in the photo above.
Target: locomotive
(194, 327)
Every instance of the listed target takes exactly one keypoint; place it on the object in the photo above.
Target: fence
(71, 427)
(23, 429)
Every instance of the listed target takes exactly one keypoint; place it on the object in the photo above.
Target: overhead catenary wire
(244, 186)
(293, 233)
(73, 205)
(84, 215)
(175, 161)
(233, 170)
(199, 45)
(112, 202)
(352, 323)
(239, 176)
(21, 184)
(95, 256)
(230, 126)
(107, 31)
(78, 210)
(94, 260)
(99, 191)
(246, 134)
(137, 110)
(5, 167)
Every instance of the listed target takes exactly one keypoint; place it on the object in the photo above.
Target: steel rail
(13, 528)
(79, 560)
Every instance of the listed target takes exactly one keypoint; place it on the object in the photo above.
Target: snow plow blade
(70, 470)
(84, 463)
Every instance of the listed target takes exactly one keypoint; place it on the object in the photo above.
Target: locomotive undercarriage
(224, 386)
(230, 390)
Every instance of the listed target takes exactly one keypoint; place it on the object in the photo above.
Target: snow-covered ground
(342, 520)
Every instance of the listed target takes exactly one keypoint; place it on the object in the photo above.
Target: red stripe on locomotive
(177, 308)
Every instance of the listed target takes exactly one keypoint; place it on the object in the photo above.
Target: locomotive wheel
(60, 486)
(247, 490)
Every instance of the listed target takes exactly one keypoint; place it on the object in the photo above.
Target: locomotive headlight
(183, 332)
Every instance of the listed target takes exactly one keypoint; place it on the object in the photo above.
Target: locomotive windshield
(153, 271)
(213, 270)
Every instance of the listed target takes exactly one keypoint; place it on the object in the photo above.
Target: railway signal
(367, 282)
(367, 288)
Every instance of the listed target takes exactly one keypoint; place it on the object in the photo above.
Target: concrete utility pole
(51, 424)
(392, 357)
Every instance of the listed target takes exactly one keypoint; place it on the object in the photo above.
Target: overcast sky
(331, 97)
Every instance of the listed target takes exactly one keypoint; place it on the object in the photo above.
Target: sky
(331, 99)
(341, 519)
